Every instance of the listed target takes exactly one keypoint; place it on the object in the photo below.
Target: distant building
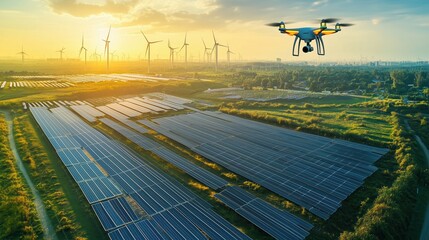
(279, 60)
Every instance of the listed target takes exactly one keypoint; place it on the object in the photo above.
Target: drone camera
(307, 49)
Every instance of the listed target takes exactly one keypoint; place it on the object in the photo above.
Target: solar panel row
(124, 110)
(153, 191)
(94, 185)
(277, 223)
(140, 101)
(207, 178)
(315, 172)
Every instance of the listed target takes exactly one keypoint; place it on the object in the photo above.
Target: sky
(392, 30)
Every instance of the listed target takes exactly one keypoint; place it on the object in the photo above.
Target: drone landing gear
(295, 51)
(320, 45)
(308, 48)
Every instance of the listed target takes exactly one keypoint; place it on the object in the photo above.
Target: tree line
(341, 79)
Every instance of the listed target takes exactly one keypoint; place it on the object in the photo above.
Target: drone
(308, 34)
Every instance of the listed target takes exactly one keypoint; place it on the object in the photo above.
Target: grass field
(340, 120)
(19, 219)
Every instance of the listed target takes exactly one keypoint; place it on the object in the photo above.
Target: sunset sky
(385, 29)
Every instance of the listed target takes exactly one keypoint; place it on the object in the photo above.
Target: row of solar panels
(153, 191)
(133, 107)
(38, 84)
(312, 171)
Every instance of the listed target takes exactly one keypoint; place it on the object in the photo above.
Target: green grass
(18, 213)
(340, 119)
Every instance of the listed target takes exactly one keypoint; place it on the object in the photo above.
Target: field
(359, 119)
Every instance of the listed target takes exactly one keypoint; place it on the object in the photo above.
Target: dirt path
(424, 234)
(48, 228)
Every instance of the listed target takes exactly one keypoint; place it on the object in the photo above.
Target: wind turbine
(215, 47)
(207, 54)
(148, 50)
(112, 55)
(61, 53)
(171, 53)
(228, 54)
(82, 48)
(96, 56)
(185, 45)
(107, 46)
(22, 53)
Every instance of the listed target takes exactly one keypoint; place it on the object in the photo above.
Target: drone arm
(296, 53)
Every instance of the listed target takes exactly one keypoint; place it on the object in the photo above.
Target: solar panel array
(161, 197)
(207, 178)
(315, 172)
(277, 223)
(271, 220)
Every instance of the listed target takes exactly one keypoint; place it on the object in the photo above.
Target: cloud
(183, 15)
(81, 9)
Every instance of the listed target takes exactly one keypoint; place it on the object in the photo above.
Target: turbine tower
(185, 45)
(107, 46)
(83, 48)
(61, 53)
(148, 50)
(216, 47)
(171, 53)
(22, 53)
(207, 54)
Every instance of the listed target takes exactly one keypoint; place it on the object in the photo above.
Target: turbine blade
(145, 37)
(108, 34)
(204, 44)
(214, 38)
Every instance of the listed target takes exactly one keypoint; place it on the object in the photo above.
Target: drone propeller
(329, 20)
(345, 24)
(277, 24)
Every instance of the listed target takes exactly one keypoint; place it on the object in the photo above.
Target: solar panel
(114, 213)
